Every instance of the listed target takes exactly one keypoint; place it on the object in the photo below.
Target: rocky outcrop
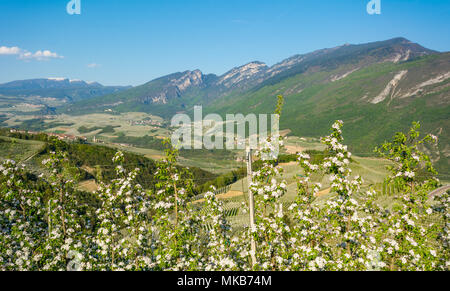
(249, 73)
(174, 87)
(390, 87)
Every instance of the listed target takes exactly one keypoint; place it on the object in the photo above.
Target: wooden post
(251, 205)
(49, 219)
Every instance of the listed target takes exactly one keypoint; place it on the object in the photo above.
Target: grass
(294, 144)
(17, 149)
(148, 153)
(106, 125)
(211, 164)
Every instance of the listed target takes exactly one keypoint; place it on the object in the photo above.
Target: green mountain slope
(163, 96)
(181, 91)
(376, 88)
(375, 102)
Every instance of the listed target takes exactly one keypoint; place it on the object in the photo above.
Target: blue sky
(129, 42)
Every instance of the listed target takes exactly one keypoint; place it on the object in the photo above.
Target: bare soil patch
(323, 192)
(88, 186)
(292, 149)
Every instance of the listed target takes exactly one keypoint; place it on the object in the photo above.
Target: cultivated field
(18, 150)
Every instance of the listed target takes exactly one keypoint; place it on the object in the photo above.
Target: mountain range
(180, 91)
(62, 89)
(376, 88)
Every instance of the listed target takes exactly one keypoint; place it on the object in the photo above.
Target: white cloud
(40, 55)
(93, 66)
(9, 50)
(44, 55)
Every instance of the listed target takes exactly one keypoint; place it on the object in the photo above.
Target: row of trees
(135, 229)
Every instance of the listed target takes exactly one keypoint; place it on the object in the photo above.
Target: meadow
(18, 149)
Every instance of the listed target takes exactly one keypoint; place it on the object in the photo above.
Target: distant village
(68, 137)
(145, 122)
(60, 136)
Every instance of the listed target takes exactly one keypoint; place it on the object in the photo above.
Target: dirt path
(440, 191)
(29, 158)
(323, 192)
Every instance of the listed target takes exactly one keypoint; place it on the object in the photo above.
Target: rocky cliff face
(244, 75)
(193, 87)
(349, 58)
(188, 79)
(174, 87)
